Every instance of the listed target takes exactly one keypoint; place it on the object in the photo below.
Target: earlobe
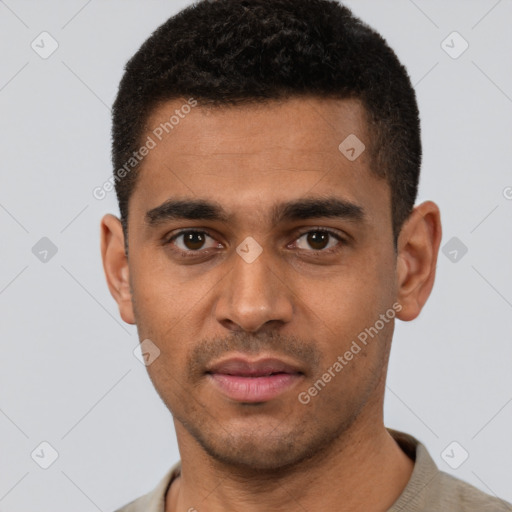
(115, 265)
(418, 247)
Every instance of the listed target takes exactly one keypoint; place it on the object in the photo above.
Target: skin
(294, 303)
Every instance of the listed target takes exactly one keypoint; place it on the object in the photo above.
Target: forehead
(248, 158)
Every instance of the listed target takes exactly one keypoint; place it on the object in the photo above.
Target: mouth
(246, 381)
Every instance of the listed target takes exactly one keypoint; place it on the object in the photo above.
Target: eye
(320, 240)
(192, 241)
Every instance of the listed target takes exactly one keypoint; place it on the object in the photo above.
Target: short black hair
(234, 52)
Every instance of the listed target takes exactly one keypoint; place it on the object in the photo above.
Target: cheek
(162, 298)
(165, 375)
(347, 301)
(170, 312)
(347, 305)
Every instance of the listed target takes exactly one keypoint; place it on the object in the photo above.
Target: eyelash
(190, 253)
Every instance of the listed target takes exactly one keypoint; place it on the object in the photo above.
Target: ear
(418, 247)
(115, 265)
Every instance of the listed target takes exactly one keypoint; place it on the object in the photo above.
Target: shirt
(428, 489)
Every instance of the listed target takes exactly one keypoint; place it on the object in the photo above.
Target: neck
(363, 470)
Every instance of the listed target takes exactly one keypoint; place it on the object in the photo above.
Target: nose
(253, 296)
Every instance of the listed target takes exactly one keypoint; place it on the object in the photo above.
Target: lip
(257, 381)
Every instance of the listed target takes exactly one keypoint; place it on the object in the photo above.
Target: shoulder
(458, 495)
(430, 489)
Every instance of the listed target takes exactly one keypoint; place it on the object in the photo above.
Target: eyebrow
(300, 209)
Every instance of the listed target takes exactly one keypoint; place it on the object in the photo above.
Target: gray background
(68, 375)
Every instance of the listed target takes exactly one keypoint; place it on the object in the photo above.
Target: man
(267, 156)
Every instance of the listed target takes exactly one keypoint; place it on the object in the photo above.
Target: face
(259, 256)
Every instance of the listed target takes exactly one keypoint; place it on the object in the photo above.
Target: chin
(260, 449)
(255, 457)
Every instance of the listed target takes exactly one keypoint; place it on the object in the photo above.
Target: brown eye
(192, 241)
(318, 240)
